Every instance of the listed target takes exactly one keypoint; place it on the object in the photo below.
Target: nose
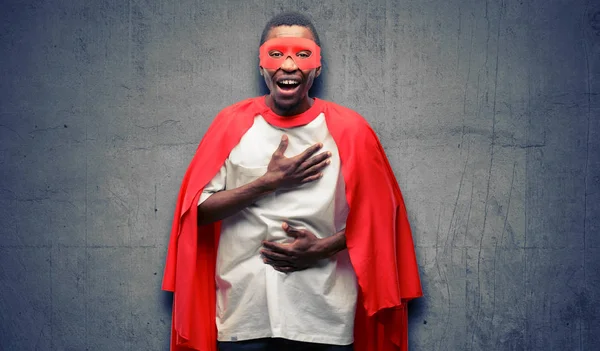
(289, 65)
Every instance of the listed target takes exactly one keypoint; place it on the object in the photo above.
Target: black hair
(289, 19)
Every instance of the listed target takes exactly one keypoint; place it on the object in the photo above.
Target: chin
(286, 104)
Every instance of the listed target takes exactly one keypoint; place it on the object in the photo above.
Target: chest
(258, 144)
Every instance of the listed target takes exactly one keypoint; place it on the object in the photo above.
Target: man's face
(289, 84)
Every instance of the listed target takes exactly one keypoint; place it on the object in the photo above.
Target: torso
(254, 300)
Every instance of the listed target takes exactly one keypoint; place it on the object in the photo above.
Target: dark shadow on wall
(416, 310)
(166, 299)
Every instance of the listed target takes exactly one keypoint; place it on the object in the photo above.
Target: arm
(281, 172)
(227, 202)
(304, 252)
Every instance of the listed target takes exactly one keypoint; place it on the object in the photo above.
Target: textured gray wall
(489, 113)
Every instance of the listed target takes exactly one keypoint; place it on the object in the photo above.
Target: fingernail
(328, 162)
(328, 153)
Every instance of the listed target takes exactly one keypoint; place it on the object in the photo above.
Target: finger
(276, 264)
(311, 178)
(282, 145)
(308, 152)
(275, 247)
(315, 160)
(316, 168)
(276, 256)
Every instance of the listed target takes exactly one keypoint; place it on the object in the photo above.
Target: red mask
(294, 47)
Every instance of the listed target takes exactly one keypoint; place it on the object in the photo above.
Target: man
(299, 239)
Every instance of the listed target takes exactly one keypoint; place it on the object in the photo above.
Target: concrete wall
(489, 113)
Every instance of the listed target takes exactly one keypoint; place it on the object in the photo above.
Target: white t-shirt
(254, 300)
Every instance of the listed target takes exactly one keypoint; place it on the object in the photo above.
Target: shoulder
(346, 119)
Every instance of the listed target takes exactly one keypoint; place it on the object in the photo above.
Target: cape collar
(289, 121)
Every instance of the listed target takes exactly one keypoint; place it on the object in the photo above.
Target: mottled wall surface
(488, 111)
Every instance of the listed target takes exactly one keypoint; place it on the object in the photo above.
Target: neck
(297, 109)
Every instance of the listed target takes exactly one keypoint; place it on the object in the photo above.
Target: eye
(275, 53)
(304, 54)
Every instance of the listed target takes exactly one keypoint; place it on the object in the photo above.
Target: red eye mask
(290, 47)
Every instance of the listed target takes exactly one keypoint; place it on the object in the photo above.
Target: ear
(318, 72)
(260, 71)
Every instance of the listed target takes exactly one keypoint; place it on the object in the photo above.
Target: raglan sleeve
(215, 185)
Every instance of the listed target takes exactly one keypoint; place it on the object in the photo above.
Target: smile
(288, 84)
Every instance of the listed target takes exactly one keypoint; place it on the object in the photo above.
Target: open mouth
(288, 85)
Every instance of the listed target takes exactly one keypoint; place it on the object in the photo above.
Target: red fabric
(378, 234)
(290, 47)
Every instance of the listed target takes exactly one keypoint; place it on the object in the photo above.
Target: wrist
(265, 184)
(322, 248)
(328, 247)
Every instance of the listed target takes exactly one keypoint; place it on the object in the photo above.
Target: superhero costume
(378, 235)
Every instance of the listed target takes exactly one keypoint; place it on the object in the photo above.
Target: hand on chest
(258, 144)
(319, 204)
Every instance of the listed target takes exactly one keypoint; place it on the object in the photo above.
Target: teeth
(289, 82)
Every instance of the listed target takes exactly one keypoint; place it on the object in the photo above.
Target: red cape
(378, 234)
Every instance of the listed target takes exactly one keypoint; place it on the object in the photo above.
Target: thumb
(291, 231)
(282, 145)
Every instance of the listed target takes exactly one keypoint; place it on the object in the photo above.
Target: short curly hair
(289, 19)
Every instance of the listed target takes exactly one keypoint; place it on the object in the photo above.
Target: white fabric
(254, 300)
